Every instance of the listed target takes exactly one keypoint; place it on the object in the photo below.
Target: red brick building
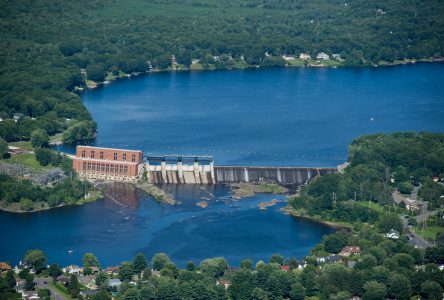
(108, 163)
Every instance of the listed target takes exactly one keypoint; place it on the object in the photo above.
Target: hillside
(45, 44)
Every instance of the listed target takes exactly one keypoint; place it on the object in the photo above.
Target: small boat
(70, 252)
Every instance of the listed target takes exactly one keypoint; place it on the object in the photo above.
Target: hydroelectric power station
(110, 164)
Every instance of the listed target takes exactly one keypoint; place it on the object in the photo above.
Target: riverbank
(334, 224)
(15, 207)
(331, 64)
(158, 194)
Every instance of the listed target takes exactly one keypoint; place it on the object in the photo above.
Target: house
(195, 61)
(63, 279)
(30, 295)
(89, 281)
(112, 270)
(12, 150)
(337, 56)
(304, 56)
(155, 273)
(19, 285)
(19, 267)
(4, 267)
(392, 234)
(288, 57)
(73, 269)
(95, 270)
(226, 283)
(333, 258)
(17, 116)
(322, 56)
(350, 250)
(285, 268)
(115, 282)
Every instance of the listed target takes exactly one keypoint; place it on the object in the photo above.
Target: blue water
(115, 230)
(289, 117)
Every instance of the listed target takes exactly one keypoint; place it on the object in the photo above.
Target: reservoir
(268, 117)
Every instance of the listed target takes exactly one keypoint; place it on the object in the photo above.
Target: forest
(379, 164)
(50, 49)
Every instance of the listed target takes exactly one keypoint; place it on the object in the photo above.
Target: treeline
(45, 44)
(32, 196)
(379, 164)
(385, 269)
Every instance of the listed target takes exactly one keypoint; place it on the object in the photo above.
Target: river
(279, 117)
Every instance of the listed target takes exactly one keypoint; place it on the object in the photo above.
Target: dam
(110, 164)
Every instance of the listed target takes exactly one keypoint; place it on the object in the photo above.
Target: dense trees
(378, 164)
(69, 191)
(35, 259)
(41, 54)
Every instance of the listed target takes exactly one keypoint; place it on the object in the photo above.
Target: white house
(73, 269)
(304, 56)
(322, 56)
(392, 234)
(288, 57)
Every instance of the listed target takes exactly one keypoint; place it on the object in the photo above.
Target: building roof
(285, 268)
(104, 148)
(4, 266)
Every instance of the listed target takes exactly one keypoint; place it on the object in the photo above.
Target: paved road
(43, 284)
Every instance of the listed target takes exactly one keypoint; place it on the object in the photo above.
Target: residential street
(43, 284)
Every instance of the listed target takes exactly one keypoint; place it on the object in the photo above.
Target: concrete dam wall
(199, 174)
(282, 175)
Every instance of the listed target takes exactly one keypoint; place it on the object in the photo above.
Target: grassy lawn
(373, 205)
(22, 145)
(429, 232)
(56, 138)
(196, 67)
(61, 288)
(26, 159)
(296, 63)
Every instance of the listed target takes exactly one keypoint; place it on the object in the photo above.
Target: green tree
(246, 264)
(297, 292)
(126, 271)
(277, 259)
(399, 287)
(3, 147)
(35, 259)
(131, 294)
(90, 260)
(191, 266)
(139, 263)
(29, 282)
(74, 286)
(159, 261)
(259, 294)
(102, 280)
(54, 270)
(43, 156)
(389, 222)
(102, 295)
(431, 290)
(39, 138)
(10, 278)
(214, 267)
(374, 290)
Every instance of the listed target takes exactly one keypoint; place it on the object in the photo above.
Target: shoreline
(96, 196)
(336, 225)
(106, 82)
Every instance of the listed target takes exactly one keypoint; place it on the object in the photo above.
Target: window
(102, 168)
(115, 155)
(84, 166)
(107, 168)
(125, 170)
(83, 153)
(124, 156)
(133, 157)
(101, 154)
(92, 153)
(121, 169)
(93, 166)
(112, 168)
(89, 166)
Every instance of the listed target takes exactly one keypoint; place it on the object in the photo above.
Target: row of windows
(92, 155)
(104, 168)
